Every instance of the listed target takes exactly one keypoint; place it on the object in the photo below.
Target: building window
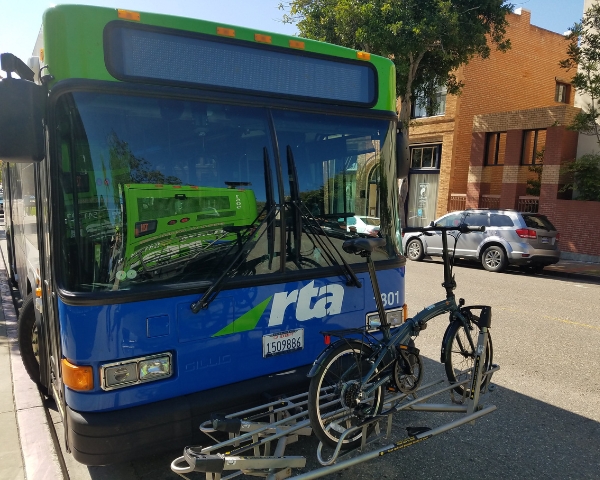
(424, 106)
(495, 148)
(425, 157)
(562, 92)
(534, 144)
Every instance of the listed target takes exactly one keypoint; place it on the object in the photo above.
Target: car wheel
(494, 259)
(414, 250)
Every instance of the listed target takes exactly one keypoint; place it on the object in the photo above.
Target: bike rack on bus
(281, 422)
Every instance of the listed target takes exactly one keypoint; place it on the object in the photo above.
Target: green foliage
(585, 175)
(583, 56)
(426, 39)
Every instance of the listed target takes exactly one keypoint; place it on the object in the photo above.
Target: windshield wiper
(270, 206)
(303, 216)
(269, 219)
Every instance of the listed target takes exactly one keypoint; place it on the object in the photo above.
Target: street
(546, 334)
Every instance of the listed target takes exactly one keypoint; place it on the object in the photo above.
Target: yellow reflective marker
(259, 37)
(128, 15)
(225, 32)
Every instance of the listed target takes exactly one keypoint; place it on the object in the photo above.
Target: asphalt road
(546, 334)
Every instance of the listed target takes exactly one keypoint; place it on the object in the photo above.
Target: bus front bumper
(104, 438)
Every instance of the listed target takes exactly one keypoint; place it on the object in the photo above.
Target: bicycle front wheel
(336, 399)
(459, 357)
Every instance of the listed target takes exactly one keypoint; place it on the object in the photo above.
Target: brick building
(485, 144)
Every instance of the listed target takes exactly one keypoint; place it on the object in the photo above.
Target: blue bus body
(199, 357)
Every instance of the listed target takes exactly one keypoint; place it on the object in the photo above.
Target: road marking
(563, 320)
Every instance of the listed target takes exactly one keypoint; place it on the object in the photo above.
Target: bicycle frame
(412, 326)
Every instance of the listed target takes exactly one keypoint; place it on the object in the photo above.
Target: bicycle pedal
(412, 431)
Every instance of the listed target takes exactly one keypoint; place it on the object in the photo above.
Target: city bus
(177, 194)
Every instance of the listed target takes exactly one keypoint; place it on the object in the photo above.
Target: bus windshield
(167, 191)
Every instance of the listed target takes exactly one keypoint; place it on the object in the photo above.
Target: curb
(40, 460)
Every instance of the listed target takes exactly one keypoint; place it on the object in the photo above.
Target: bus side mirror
(22, 105)
(402, 164)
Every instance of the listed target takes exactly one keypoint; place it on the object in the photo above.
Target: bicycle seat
(359, 245)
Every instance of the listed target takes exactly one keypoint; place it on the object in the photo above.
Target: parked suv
(510, 238)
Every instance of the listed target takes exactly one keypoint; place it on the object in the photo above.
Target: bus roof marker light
(363, 55)
(128, 15)
(297, 44)
(77, 377)
(226, 32)
(259, 37)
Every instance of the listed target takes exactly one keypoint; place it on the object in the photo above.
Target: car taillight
(557, 237)
(526, 233)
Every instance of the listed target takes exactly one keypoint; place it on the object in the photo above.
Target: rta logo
(328, 301)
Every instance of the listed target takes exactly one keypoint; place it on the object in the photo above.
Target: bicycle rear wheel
(333, 395)
(459, 357)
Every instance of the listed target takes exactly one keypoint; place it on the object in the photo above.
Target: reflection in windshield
(170, 191)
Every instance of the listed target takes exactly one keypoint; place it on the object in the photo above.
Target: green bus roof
(74, 44)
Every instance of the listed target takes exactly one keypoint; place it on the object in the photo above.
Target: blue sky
(21, 19)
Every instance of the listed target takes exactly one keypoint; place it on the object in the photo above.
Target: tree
(583, 54)
(426, 39)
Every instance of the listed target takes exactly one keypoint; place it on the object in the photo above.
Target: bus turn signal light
(363, 55)
(77, 377)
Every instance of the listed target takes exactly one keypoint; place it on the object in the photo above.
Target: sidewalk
(27, 450)
(574, 270)
(11, 462)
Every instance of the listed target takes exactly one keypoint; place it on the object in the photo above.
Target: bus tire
(28, 337)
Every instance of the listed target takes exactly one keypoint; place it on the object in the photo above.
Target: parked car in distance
(511, 238)
(362, 224)
(1, 202)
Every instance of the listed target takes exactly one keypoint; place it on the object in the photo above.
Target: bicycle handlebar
(460, 228)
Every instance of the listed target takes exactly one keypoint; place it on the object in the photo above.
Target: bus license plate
(283, 342)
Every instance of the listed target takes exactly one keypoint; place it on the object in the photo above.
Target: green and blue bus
(177, 192)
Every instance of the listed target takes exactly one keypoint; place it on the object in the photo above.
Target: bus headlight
(155, 368)
(136, 371)
(395, 318)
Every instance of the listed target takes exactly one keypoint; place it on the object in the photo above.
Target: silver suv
(510, 238)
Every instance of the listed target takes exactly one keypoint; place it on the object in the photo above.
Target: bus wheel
(28, 336)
